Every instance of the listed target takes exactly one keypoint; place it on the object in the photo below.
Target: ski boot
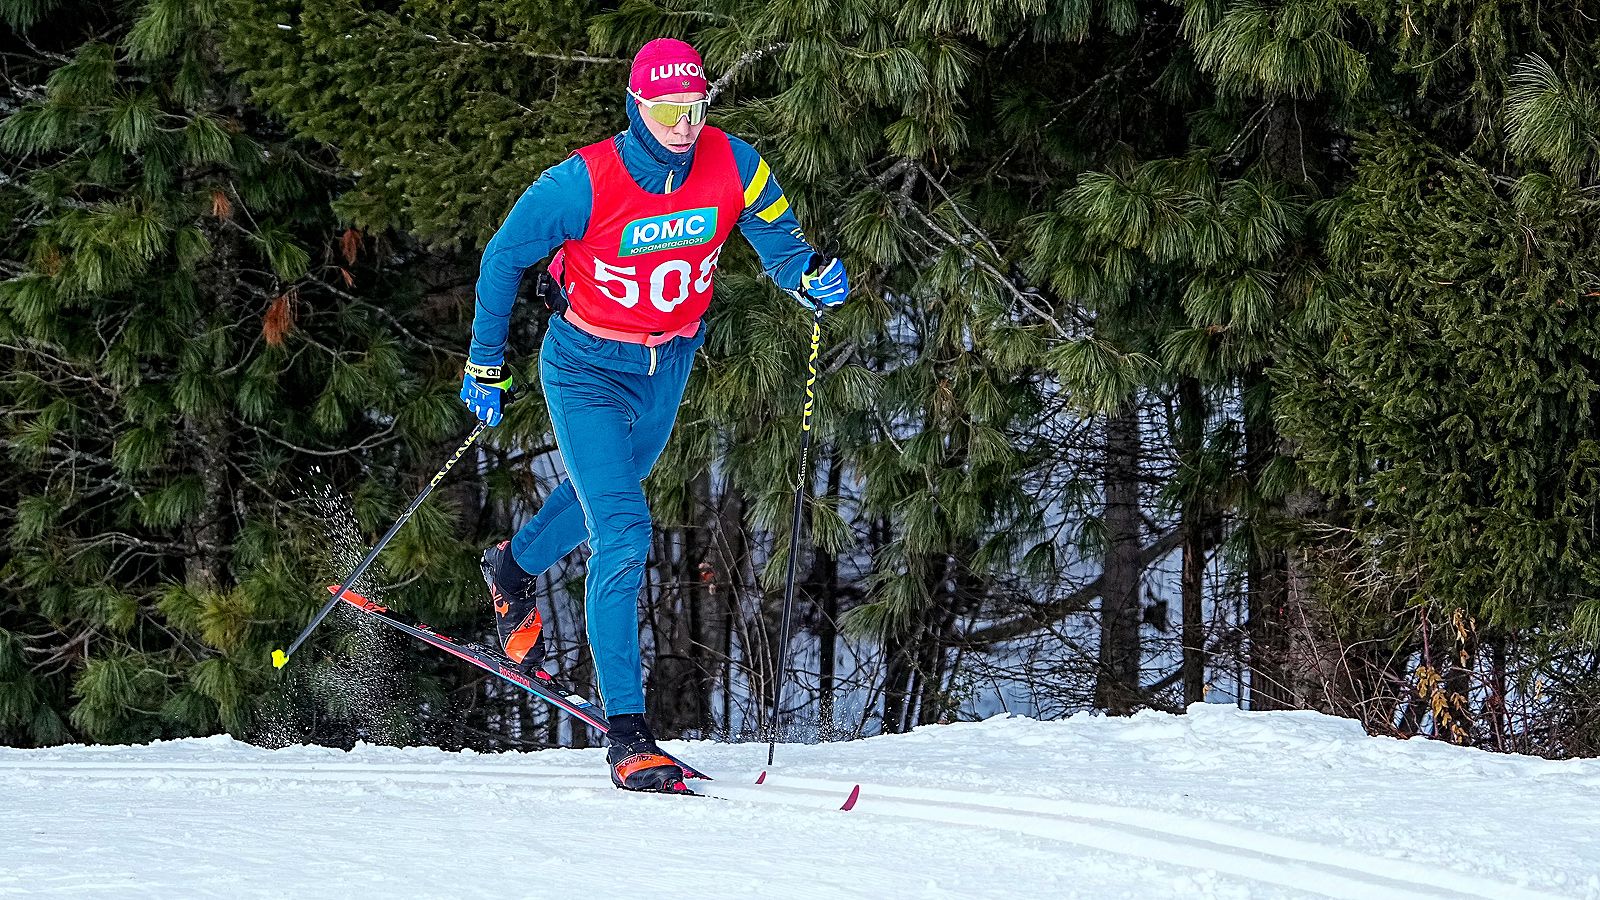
(637, 764)
(516, 612)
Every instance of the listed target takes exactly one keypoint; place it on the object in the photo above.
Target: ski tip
(850, 802)
(762, 778)
(279, 659)
(355, 599)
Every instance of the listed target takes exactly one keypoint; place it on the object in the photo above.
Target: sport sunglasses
(668, 112)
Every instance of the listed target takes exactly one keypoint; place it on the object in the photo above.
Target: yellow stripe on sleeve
(757, 184)
(778, 207)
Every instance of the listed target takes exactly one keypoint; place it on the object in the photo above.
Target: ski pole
(280, 658)
(794, 532)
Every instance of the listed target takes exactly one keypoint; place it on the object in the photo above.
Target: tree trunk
(210, 536)
(582, 675)
(555, 639)
(1198, 528)
(946, 594)
(1117, 681)
(1268, 572)
(1314, 666)
(1499, 721)
(934, 707)
(896, 687)
(827, 581)
(680, 680)
(207, 565)
(1460, 662)
(1269, 687)
(729, 559)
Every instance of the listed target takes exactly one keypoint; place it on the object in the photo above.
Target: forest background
(1228, 350)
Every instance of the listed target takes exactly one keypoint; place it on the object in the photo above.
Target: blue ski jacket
(557, 205)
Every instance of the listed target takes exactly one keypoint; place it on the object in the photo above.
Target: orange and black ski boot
(637, 764)
(516, 612)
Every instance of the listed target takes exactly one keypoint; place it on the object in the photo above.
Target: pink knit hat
(666, 66)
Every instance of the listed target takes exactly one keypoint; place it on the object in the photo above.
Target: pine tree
(188, 332)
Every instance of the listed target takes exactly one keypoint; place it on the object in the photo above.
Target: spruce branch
(61, 367)
(557, 57)
(74, 457)
(160, 548)
(955, 207)
(1255, 123)
(499, 96)
(42, 53)
(452, 352)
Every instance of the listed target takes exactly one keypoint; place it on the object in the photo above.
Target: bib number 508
(669, 282)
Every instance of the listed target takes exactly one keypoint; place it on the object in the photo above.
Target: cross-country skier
(639, 220)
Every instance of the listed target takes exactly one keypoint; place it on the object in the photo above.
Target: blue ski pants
(612, 405)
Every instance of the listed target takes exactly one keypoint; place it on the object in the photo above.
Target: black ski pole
(794, 534)
(280, 658)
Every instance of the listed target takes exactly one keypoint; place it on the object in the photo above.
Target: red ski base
(540, 684)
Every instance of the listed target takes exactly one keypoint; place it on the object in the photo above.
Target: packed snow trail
(1218, 803)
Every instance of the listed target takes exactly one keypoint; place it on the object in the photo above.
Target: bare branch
(749, 57)
(1028, 299)
(1046, 613)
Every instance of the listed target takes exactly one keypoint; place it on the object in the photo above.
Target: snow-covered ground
(1218, 803)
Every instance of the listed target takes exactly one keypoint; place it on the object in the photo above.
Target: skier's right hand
(481, 390)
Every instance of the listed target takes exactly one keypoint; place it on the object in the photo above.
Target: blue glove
(825, 286)
(481, 387)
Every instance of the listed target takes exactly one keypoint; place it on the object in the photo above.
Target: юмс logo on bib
(669, 232)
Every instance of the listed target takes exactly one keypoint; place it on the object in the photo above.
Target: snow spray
(356, 692)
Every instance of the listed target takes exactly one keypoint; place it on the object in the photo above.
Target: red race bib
(645, 263)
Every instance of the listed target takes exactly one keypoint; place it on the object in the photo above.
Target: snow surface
(1218, 803)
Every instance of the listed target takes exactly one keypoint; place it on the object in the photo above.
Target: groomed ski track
(931, 821)
(1186, 841)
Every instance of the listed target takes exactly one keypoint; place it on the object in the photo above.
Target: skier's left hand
(826, 285)
(481, 390)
